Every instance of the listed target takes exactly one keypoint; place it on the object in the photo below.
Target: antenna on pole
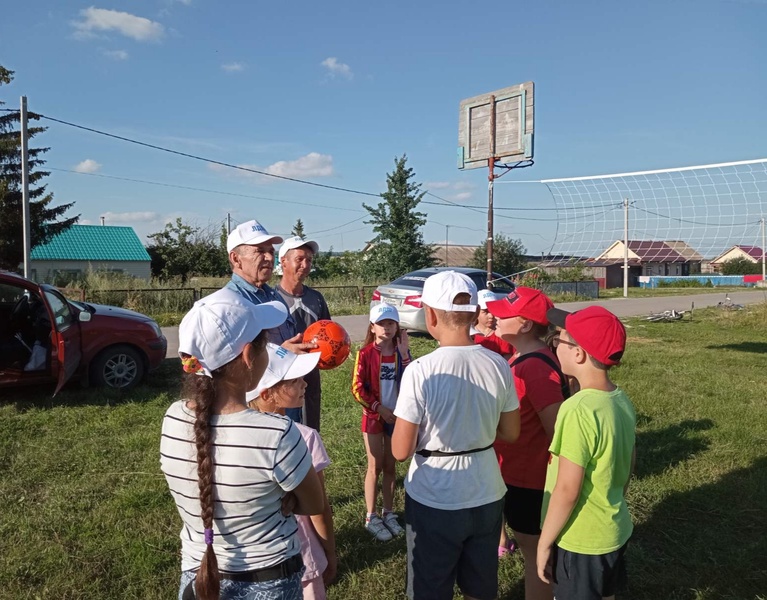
(25, 185)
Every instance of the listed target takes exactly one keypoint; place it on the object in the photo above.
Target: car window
(10, 294)
(61, 311)
(414, 279)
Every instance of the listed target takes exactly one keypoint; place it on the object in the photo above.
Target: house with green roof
(83, 248)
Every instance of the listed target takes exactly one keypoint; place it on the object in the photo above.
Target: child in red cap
(586, 522)
(541, 389)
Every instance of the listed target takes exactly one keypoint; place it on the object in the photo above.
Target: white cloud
(437, 185)
(87, 166)
(185, 2)
(462, 196)
(116, 54)
(101, 19)
(337, 68)
(233, 67)
(313, 164)
(130, 218)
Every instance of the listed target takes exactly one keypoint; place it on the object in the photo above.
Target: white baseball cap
(383, 311)
(251, 233)
(440, 290)
(485, 296)
(217, 328)
(297, 242)
(284, 365)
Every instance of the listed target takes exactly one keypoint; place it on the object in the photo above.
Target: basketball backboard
(497, 125)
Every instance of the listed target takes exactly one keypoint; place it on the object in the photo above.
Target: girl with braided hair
(229, 468)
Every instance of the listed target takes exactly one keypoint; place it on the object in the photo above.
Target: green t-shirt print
(595, 430)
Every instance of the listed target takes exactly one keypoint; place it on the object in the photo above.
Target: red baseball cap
(598, 331)
(523, 302)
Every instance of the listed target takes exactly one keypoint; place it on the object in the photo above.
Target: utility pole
(764, 268)
(447, 233)
(626, 248)
(228, 223)
(25, 212)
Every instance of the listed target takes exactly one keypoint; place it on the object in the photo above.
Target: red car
(46, 338)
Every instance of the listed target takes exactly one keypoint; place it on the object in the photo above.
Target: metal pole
(490, 180)
(764, 268)
(447, 233)
(25, 186)
(228, 223)
(626, 248)
(490, 223)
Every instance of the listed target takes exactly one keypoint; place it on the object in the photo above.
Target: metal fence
(156, 301)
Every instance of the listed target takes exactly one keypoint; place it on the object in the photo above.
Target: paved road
(356, 325)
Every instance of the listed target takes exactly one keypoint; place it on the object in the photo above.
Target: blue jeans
(276, 589)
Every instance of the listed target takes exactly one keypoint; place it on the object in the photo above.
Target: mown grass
(86, 512)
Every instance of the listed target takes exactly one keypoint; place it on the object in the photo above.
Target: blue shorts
(445, 547)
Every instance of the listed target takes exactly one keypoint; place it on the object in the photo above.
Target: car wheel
(119, 367)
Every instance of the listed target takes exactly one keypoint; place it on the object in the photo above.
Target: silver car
(405, 292)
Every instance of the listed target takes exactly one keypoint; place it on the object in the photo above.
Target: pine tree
(298, 228)
(398, 245)
(46, 220)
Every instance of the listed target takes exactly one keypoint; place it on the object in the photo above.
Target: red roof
(753, 251)
(650, 251)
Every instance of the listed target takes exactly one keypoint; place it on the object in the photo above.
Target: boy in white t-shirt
(453, 404)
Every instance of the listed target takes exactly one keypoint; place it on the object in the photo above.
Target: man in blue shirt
(251, 255)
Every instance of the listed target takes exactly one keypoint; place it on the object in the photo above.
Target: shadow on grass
(659, 449)
(756, 347)
(709, 542)
(165, 379)
(357, 550)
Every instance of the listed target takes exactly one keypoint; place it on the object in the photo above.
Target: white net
(696, 213)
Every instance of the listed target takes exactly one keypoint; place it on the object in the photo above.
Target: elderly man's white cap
(297, 242)
(250, 233)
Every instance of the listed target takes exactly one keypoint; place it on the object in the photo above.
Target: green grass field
(86, 513)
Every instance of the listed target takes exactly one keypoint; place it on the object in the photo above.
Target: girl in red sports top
(541, 388)
(375, 384)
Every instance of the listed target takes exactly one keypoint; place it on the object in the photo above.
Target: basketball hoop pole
(490, 180)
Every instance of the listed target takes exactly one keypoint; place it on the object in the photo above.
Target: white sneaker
(377, 529)
(390, 520)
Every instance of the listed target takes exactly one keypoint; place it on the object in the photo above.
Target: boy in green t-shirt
(586, 523)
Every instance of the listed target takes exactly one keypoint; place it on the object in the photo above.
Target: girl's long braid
(208, 576)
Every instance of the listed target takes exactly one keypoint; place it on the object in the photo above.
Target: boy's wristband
(375, 405)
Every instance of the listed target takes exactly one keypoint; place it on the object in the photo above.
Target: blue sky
(332, 92)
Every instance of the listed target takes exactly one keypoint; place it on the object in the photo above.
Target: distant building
(645, 258)
(453, 255)
(750, 253)
(83, 248)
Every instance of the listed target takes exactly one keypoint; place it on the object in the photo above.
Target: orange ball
(333, 341)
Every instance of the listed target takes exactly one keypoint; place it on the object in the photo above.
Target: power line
(203, 159)
(194, 189)
(338, 226)
(644, 210)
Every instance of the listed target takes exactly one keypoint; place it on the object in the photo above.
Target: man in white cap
(251, 255)
(306, 306)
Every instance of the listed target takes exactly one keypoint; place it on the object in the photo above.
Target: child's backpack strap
(552, 363)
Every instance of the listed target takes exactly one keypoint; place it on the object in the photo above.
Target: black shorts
(586, 576)
(445, 547)
(522, 509)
